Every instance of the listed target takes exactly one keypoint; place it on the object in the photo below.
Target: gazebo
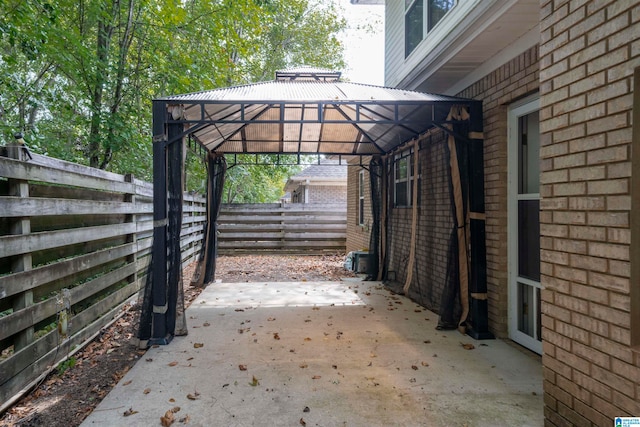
(307, 111)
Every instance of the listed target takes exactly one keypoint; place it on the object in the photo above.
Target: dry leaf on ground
(129, 411)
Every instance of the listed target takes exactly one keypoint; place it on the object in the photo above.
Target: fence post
(133, 237)
(22, 262)
(283, 225)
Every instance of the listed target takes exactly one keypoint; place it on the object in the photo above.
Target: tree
(78, 76)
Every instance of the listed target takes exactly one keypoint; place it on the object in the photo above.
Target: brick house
(325, 182)
(556, 80)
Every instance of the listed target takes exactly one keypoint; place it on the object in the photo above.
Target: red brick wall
(508, 83)
(588, 53)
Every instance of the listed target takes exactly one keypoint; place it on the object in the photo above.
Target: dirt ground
(72, 391)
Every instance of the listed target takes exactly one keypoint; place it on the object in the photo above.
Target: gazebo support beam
(159, 333)
(479, 328)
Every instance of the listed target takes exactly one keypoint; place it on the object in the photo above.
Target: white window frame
(527, 106)
(408, 156)
(426, 14)
(361, 193)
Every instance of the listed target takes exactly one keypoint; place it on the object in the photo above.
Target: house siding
(588, 54)
(394, 43)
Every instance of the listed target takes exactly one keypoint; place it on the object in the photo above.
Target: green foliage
(77, 77)
(66, 365)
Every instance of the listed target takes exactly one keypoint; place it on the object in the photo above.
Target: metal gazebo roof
(306, 111)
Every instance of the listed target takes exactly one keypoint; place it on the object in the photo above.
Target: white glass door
(524, 224)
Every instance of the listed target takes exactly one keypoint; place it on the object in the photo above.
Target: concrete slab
(324, 354)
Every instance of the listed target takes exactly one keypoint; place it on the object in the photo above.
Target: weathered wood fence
(75, 242)
(293, 228)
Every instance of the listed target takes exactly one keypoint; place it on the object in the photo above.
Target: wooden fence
(74, 241)
(293, 228)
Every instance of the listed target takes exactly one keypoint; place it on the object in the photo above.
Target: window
(416, 15)
(361, 198)
(524, 224)
(403, 178)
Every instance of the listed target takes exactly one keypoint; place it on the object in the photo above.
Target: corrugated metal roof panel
(308, 91)
(284, 115)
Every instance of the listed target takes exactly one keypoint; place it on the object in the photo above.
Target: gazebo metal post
(479, 329)
(159, 251)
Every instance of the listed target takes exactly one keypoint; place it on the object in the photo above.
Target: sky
(364, 51)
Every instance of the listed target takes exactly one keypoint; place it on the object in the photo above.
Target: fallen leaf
(276, 336)
(254, 382)
(304, 365)
(127, 382)
(175, 409)
(198, 345)
(172, 400)
(146, 391)
(316, 377)
(239, 309)
(427, 341)
(414, 367)
(206, 324)
(467, 346)
(302, 422)
(167, 419)
(307, 339)
(148, 359)
(193, 396)
(306, 409)
(424, 364)
(316, 308)
(174, 363)
(271, 319)
(129, 411)
(185, 420)
(242, 367)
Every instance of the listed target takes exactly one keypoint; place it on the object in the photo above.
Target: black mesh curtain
(206, 269)
(176, 322)
(171, 315)
(375, 177)
(456, 290)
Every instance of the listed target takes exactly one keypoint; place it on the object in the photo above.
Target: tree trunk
(103, 41)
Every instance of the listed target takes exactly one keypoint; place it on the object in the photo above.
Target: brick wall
(588, 53)
(327, 194)
(357, 236)
(508, 83)
(320, 194)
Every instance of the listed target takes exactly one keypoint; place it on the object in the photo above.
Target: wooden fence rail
(293, 228)
(73, 240)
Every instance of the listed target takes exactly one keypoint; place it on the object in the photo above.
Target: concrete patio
(344, 353)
